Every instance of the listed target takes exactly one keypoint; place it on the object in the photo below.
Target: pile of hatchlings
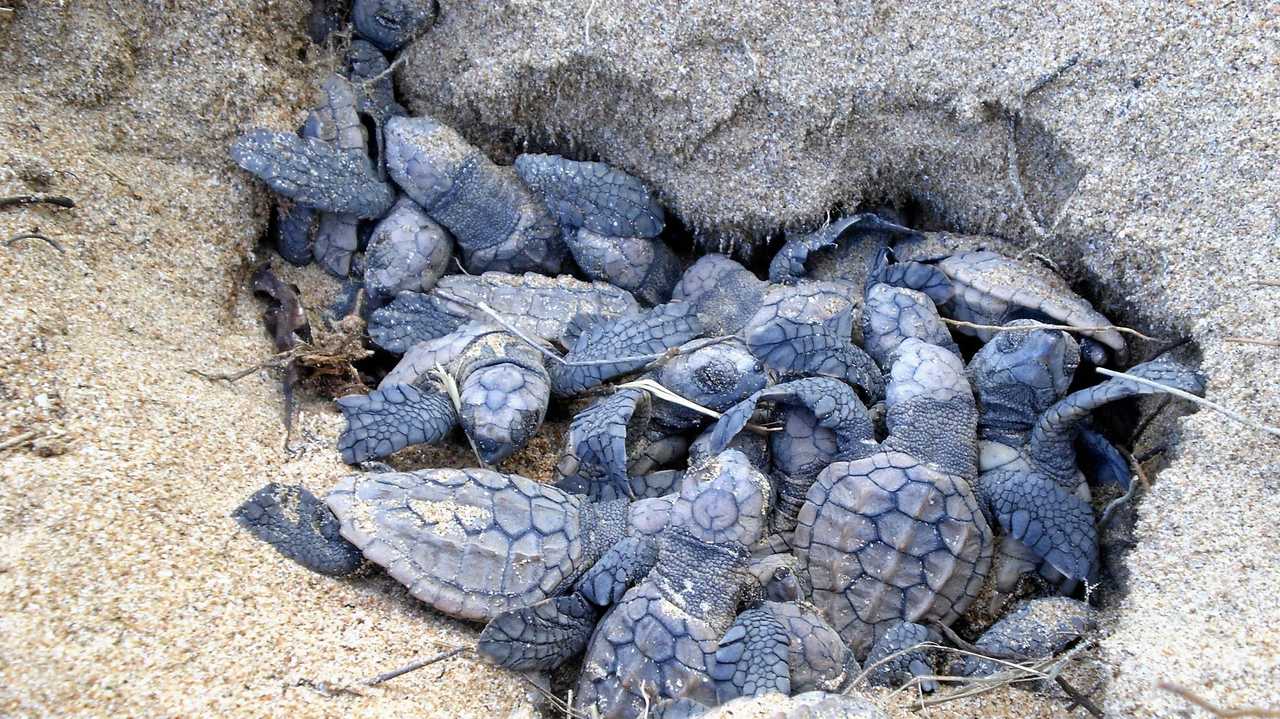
(793, 485)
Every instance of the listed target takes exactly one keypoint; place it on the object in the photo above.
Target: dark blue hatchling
(1034, 629)
(391, 24)
(495, 219)
(898, 534)
(806, 329)
(660, 640)
(1030, 480)
(549, 308)
(502, 385)
(471, 543)
(407, 252)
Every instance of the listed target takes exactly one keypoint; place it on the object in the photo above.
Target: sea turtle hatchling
(496, 220)
(407, 252)
(471, 543)
(550, 308)
(502, 385)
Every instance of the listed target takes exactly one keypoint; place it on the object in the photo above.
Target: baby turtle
(891, 314)
(407, 252)
(644, 266)
(502, 385)
(496, 220)
(391, 24)
(805, 330)
(1034, 629)
(471, 543)
(660, 640)
(552, 308)
(797, 254)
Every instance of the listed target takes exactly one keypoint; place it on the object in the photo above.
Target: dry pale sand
(126, 590)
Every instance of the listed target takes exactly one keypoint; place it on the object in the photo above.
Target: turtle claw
(391, 418)
(300, 527)
(313, 172)
(539, 637)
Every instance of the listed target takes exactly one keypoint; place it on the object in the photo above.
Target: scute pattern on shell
(886, 538)
(471, 543)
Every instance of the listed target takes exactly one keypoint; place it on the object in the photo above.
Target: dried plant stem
(455, 396)
(661, 392)
(413, 667)
(1253, 341)
(19, 440)
(34, 236)
(1044, 326)
(1215, 710)
(20, 200)
(1229, 414)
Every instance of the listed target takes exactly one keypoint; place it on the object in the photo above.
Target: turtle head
(1019, 374)
(724, 500)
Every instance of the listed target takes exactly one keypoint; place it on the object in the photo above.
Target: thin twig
(451, 388)
(34, 236)
(1230, 414)
(1265, 283)
(664, 393)
(388, 676)
(231, 377)
(390, 69)
(1215, 710)
(16, 441)
(1043, 326)
(20, 200)
(1079, 697)
(1253, 341)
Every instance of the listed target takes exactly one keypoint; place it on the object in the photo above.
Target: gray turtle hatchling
(391, 24)
(791, 262)
(723, 293)
(551, 308)
(471, 543)
(502, 384)
(496, 220)
(1030, 478)
(407, 252)
(715, 373)
(806, 329)
(644, 266)
(1034, 629)
(660, 640)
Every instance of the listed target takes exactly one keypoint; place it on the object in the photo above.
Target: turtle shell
(472, 543)
(885, 539)
(994, 289)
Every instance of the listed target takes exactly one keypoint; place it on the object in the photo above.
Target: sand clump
(1146, 171)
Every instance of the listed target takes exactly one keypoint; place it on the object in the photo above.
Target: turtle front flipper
(592, 195)
(608, 349)
(299, 526)
(1052, 522)
(313, 172)
(624, 564)
(539, 637)
(931, 411)
(594, 460)
(1051, 444)
(392, 418)
(806, 330)
(752, 657)
(912, 661)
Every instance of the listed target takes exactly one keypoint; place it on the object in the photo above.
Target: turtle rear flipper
(752, 658)
(391, 418)
(300, 527)
(313, 172)
(1102, 463)
(624, 564)
(539, 637)
(1054, 523)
